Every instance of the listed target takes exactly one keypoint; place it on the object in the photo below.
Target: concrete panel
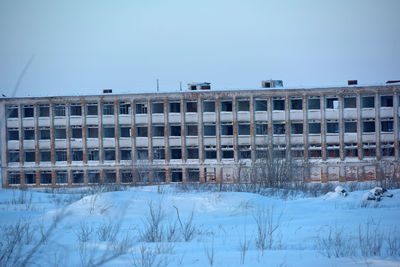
(314, 114)
(226, 141)
(368, 138)
(226, 116)
(12, 123)
(261, 140)
(108, 120)
(125, 119)
(125, 142)
(387, 137)
(174, 118)
(92, 120)
(332, 114)
(108, 142)
(261, 116)
(369, 172)
(333, 173)
(157, 118)
(158, 141)
(60, 143)
(244, 140)
(278, 115)
(44, 122)
(386, 112)
(350, 113)
(351, 173)
(192, 141)
(142, 141)
(30, 144)
(296, 115)
(350, 137)
(332, 139)
(191, 117)
(93, 142)
(210, 141)
(76, 120)
(175, 141)
(76, 143)
(11, 145)
(141, 118)
(279, 140)
(44, 144)
(59, 121)
(228, 175)
(243, 116)
(29, 122)
(314, 139)
(315, 173)
(368, 113)
(209, 117)
(296, 139)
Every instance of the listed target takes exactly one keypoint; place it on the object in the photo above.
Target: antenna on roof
(180, 86)
(158, 88)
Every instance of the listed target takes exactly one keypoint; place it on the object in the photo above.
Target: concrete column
(184, 174)
(183, 130)
(202, 175)
(118, 176)
(36, 126)
(324, 173)
(84, 137)
(166, 137)
(270, 124)
(167, 175)
(305, 127)
(235, 130)
(68, 129)
(52, 137)
(21, 136)
(37, 173)
(396, 124)
(359, 127)
(378, 126)
(341, 129)
(100, 116)
(53, 178)
(252, 130)
(116, 127)
(85, 177)
(149, 131)
(218, 128)
(200, 128)
(323, 128)
(287, 123)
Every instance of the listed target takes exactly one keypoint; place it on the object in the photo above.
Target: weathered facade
(344, 133)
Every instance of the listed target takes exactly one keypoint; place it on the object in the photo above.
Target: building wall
(335, 130)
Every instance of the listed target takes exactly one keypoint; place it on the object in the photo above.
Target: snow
(221, 219)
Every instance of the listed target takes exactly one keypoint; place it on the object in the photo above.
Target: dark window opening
(209, 130)
(61, 177)
(191, 130)
(226, 105)
(13, 156)
(332, 103)
(296, 128)
(93, 177)
(244, 152)
(208, 106)
(176, 153)
(261, 128)
(260, 105)
(279, 128)
(124, 108)
(126, 177)
(30, 178)
(76, 132)
(175, 130)
(387, 126)
(44, 133)
(77, 154)
(59, 110)
(159, 153)
(77, 177)
(141, 108)
(350, 126)
(368, 126)
(278, 104)
(314, 128)
(332, 151)
(93, 131)
(160, 176)
(12, 111)
(91, 109)
(141, 131)
(210, 152)
(125, 131)
(125, 154)
(14, 178)
(297, 150)
(60, 133)
(176, 175)
(192, 153)
(44, 111)
(76, 109)
(108, 108)
(387, 101)
(387, 149)
(350, 150)
(369, 149)
(108, 131)
(243, 105)
(13, 134)
(45, 156)
(45, 177)
(61, 155)
(191, 106)
(29, 155)
(109, 154)
(157, 108)
(244, 129)
(28, 111)
(332, 127)
(227, 154)
(368, 102)
(158, 130)
(226, 129)
(296, 104)
(142, 154)
(314, 152)
(193, 175)
(314, 103)
(350, 102)
(174, 107)
(29, 134)
(110, 177)
(93, 154)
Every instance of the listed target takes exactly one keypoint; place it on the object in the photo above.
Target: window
(77, 177)
(208, 106)
(108, 131)
(193, 175)
(141, 108)
(278, 103)
(124, 108)
(44, 111)
(332, 151)
(349, 102)
(261, 128)
(158, 153)
(76, 109)
(61, 155)
(93, 154)
(209, 130)
(332, 127)
(314, 151)
(191, 130)
(109, 154)
(297, 150)
(159, 176)
(387, 149)
(369, 149)
(30, 178)
(61, 177)
(110, 177)
(12, 112)
(45, 155)
(44, 133)
(59, 132)
(386, 101)
(176, 153)
(226, 105)
(314, 127)
(350, 126)
(176, 175)
(76, 131)
(142, 153)
(296, 104)
(244, 128)
(125, 153)
(126, 177)
(28, 111)
(261, 151)
(332, 102)
(13, 134)
(368, 126)
(210, 152)
(29, 155)
(174, 130)
(191, 106)
(278, 128)
(108, 108)
(77, 154)
(45, 177)
(93, 131)
(157, 107)
(59, 110)
(260, 105)
(368, 102)
(93, 177)
(314, 103)
(14, 178)
(244, 152)
(124, 131)
(13, 156)
(387, 125)
(29, 134)
(226, 128)
(158, 130)
(296, 128)
(192, 152)
(91, 109)
(279, 151)
(227, 152)
(141, 131)
(174, 107)
(350, 150)
(243, 104)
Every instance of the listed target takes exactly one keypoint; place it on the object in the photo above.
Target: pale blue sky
(85, 46)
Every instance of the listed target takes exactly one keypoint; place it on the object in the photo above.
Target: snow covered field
(227, 228)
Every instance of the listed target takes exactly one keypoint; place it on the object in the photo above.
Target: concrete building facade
(343, 133)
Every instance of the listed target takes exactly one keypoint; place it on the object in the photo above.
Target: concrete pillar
(116, 129)
(36, 127)
(68, 130)
(84, 137)
(52, 136)
(323, 128)
(166, 137)
(149, 131)
(359, 127)
(287, 124)
(396, 124)
(252, 130)
(200, 128)
(21, 136)
(218, 128)
(378, 126)
(235, 130)
(183, 130)
(100, 116)
(341, 129)
(270, 124)
(133, 132)
(305, 127)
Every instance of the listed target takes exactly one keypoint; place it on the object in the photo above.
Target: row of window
(124, 108)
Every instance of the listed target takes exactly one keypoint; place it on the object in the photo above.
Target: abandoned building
(199, 135)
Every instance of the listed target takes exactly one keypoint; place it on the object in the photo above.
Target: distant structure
(343, 133)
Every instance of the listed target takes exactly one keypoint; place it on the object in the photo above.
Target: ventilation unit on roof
(107, 91)
(271, 83)
(352, 82)
(199, 86)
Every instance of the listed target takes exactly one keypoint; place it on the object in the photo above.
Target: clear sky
(85, 46)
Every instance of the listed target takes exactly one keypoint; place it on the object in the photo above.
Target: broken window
(110, 177)
(158, 153)
(77, 177)
(297, 150)
(158, 130)
(124, 108)
(108, 108)
(157, 108)
(176, 175)
(296, 128)
(176, 153)
(59, 110)
(369, 149)
(14, 178)
(386, 101)
(209, 129)
(387, 125)
(108, 131)
(141, 131)
(192, 152)
(332, 151)
(29, 134)
(124, 131)
(159, 176)
(210, 152)
(208, 106)
(76, 109)
(28, 111)
(314, 102)
(141, 108)
(174, 130)
(60, 133)
(243, 104)
(296, 104)
(91, 109)
(191, 130)
(314, 151)
(45, 177)
(191, 106)
(278, 103)
(350, 102)
(92, 131)
(279, 150)
(226, 128)
(350, 126)
(61, 177)
(244, 128)
(77, 154)
(29, 155)
(332, 126)
(332, 102)
(12, 112)
(368, 125)
(174, 107)
(44, 110)
(93, 154)
(226, 105)
(261, 151)
(44, 133)
(244, 152)
(93, 177)
(261, 128)
(227, 152)
(143, 176)
(45, 155)
(61, 155)
(260, 105)
(125, 153)
(193, 175)
(109, 154)
(350, 150)
(126, 177)
(76, 131)
(314, 127)
(13, 156)
(279, 128)
(387, 149)
(30, 177)
(142, 153)
(12, 134)
(368, 102)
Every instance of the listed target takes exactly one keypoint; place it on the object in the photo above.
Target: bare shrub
(371, 238)
(244, 244)
(209, 250)
(268, 224)
(393, 243)
(84, 233)
(153, 227)
(148, 257)
(188, 229)
(107, 231)
(336, 244)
